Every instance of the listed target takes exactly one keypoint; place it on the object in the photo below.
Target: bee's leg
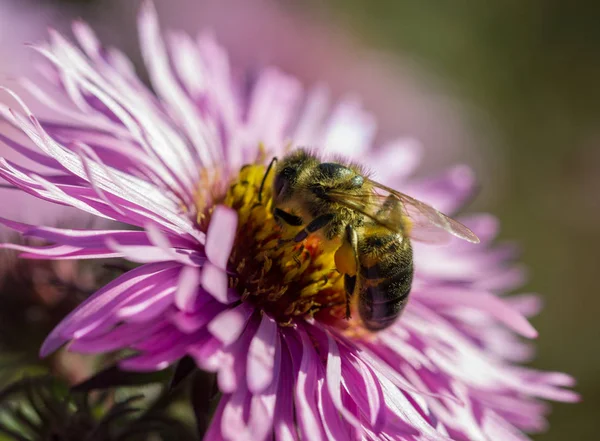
(350, 286)
(288, 218)
(346, 261)
(316, 224)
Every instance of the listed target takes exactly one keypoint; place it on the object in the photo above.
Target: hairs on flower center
(284, 278)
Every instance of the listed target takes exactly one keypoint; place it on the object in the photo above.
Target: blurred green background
(525, 76)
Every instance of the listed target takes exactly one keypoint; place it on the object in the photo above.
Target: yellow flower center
(284, 278)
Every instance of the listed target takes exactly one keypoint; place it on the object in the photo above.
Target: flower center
(284, 278)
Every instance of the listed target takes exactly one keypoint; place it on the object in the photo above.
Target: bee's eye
(319, 190)
(287, 172)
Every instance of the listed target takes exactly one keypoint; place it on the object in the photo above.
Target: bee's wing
(426, 223)
(425, 219)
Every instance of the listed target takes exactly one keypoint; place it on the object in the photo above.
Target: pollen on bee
(286, 279)
(345, 260)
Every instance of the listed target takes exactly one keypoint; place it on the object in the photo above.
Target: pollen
(286, 279)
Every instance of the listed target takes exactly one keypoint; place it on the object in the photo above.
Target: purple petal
(221, 235)
(228, 325)
(36, 157)
(309, 424)
(215, 280)
(335, 427)
(404, 153)
(149, 305)
(262, 355)
(272, 105)
(149, 362)
(187, 289)
(17, 226)
(120, 337)
(60, 252)
(233, 361)
(483, 301)
(314, 112)
(233, 423)
(138, 253)
(87, 238)
(527, 304)
(97, 307)
(350, 130)
(207, 353)
(169, 89)
(398, 403)
(373, 397)
(262, 407)
(284, 424)
(189, 322)
(334, 382)
(503, 280)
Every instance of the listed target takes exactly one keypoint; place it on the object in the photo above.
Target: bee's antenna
(262, 184)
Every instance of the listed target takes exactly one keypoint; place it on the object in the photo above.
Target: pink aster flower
(184, 164)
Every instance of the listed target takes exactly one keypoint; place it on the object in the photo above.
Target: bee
(373, 225)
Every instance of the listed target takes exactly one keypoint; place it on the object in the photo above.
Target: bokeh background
(506, 86)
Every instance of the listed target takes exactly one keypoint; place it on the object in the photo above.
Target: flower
(217, 283)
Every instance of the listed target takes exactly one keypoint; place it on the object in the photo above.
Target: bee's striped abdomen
(385, 277)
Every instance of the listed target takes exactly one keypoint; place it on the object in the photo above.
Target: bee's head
(302, 173)
(288, 172)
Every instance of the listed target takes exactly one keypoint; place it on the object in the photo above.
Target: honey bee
(372, 223)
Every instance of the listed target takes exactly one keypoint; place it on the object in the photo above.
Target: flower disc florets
(284, 278)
